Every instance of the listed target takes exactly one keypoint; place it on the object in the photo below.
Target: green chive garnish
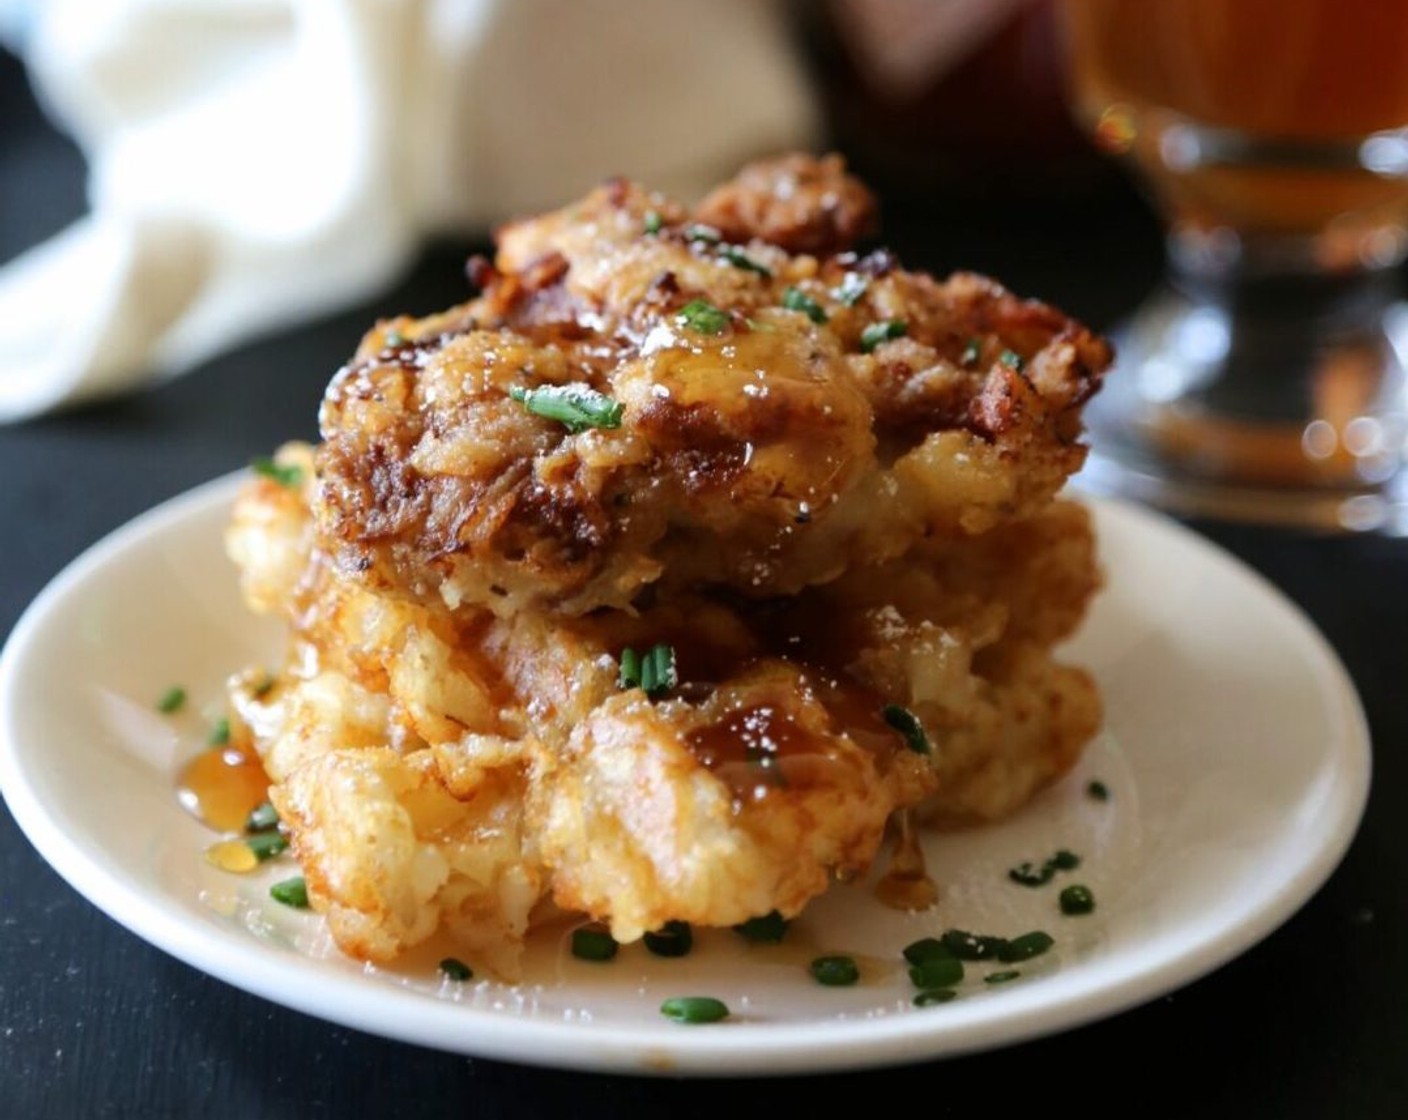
(1026, 947)
(1098, 790)
(1001, 977)
(973, 946)
(629, 675)
(907, 724)
(1029, 875)
(652, 223)
(291, 892)
(456, 969)
(593, 943)
(926, 949)
(882, 331)
(794, 299)
(1013, 359)
(771, 927)
(739, 259)
(654, 671)
(835, 972)
(700, 232)
(933, 996)
(657, 671)
(575, 407)
(219, 733)
(937, 972)
(694, 1009)
(267, 845)
(284, 476)
(1077, 899)
(853, 286)
(673, 939)
(702, 316)
(262, 818)
(172, 700)
(972, 352)
(393, 339)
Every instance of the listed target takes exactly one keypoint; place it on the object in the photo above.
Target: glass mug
(1265, 380)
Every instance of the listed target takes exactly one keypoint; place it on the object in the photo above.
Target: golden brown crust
(829, 493)
(802, 204)
(762, 426)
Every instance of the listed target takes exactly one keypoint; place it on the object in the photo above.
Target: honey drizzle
(221, 786)
(906, 885)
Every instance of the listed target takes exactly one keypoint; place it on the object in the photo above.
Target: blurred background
(186, 179)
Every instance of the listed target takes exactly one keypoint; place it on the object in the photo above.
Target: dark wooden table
(1313, 1022)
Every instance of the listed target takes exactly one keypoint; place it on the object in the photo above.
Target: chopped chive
(1029, 875)
(219, 733)
(770, 927)
(882, 331)
(652, 223)
(657, 671)
(654, 671)
(1013, 359)
(700, 232)
(393, 339)
(853, 286)
(1001, 977)
(907, 724)
(933, 996)
(1098, 790)
(172, 700)
(926, 949)
(456, 969)
(1026, 947)
(702, 316)
(262, 818)
(739, 259)
(1077, 899)
(267, 845)
(835, 972)
(971, 352)
(291, 892)
(593, 943)
(794, 299)
(284, 476)
(673, 939)
(629, 675)
(973, 946)
(694, 1009)
(937, 972)
(575, 407)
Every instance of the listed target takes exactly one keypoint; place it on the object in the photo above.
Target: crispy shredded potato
(826, 483)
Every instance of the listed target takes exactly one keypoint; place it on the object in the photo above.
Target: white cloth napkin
(255, 162)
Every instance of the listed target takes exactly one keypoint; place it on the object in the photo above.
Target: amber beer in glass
(1266, 379)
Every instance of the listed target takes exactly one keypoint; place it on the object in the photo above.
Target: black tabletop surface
(1312, 1022)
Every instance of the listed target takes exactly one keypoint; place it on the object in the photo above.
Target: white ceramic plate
(1235, 752)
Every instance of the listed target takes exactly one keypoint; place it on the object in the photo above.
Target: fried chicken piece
(749, 802)
(781, 417)
(821, 482)
(437, 771)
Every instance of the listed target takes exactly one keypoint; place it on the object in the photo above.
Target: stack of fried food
(652, 582)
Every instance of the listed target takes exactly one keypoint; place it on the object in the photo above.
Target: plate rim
(740, 1048)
